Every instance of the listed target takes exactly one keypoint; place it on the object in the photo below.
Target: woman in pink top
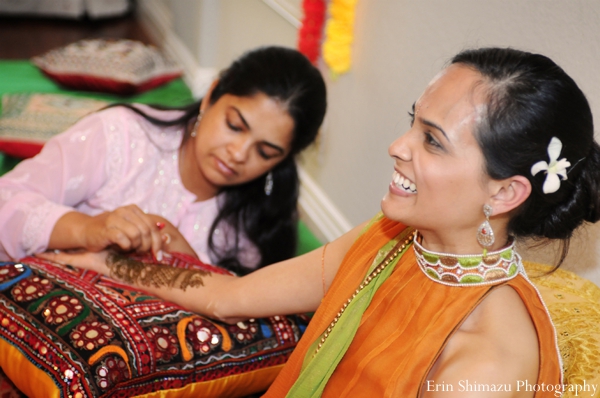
(220, 183)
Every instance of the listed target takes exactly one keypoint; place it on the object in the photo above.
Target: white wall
(204, 36)
(399, 45)
(217, 31)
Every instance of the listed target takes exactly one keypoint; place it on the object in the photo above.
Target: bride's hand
(93, 261)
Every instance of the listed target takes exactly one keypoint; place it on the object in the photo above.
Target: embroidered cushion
(29, 120)
(72, 333)
(115, 66)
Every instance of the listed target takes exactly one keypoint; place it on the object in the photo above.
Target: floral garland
(309, 35)
(339, 35)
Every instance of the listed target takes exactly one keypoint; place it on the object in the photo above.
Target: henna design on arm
(134, 272)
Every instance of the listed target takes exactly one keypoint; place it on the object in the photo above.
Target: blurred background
(398, 46)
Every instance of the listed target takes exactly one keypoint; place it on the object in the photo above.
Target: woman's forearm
(137, 273)
(196, 290)
(293, 286)
(263, 293)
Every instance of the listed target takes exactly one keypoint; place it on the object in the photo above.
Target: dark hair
(530, 101)
(270, 222)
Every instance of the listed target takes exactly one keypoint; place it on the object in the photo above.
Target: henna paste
(135, 272)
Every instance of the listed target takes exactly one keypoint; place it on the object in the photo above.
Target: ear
(509, 194)
(206, 99)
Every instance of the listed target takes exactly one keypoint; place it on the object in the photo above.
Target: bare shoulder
(495, 349)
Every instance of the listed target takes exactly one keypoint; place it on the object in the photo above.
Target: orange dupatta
(344, 284)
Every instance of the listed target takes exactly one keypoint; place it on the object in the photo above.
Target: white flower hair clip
(554, 169)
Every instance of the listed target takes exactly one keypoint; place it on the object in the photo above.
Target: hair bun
(590, 175)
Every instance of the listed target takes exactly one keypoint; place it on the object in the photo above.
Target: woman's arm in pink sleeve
(41, 190)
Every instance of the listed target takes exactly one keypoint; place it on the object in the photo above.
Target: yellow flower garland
(339, 36)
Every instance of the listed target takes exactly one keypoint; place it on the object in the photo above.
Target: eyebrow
(241, 117)
(429, 123)
(267, 143)
(435, 126)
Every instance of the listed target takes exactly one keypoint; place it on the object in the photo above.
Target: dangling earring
(485, 234)
(269, 183)
(194, 132)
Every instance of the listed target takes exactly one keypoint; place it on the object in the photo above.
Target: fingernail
(160, 225)
(166, 238)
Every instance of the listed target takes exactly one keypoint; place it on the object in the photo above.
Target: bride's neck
(459, 243)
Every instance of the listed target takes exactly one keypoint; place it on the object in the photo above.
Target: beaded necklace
(469, 269)
(445, 268)
(373, 274)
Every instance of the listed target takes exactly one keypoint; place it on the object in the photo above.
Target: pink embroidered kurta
(108, 159)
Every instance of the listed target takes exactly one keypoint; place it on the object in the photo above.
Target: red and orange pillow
(67, 332)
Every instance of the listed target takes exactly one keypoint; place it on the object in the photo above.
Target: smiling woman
(216, 179)
(441, 154)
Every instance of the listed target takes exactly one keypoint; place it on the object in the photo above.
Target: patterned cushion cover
(72, 333)
(114, 66)
(29, 120)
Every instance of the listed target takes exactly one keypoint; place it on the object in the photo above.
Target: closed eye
(235, 120)
(268, 151)
(234, 127)
(263, 154)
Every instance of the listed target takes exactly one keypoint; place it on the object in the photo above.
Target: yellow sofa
(574, 305)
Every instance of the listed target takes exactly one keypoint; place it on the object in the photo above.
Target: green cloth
(307, 241)
(22, 76)
(317, 369)
(7, 163)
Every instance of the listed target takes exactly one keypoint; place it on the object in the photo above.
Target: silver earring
(269, 183)
(485, 234)
(194, 132)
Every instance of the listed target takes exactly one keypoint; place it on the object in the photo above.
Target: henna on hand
(135, 272)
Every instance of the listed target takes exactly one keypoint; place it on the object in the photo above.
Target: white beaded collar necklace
(469, 269)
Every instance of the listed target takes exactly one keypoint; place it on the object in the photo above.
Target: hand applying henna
(170, 238)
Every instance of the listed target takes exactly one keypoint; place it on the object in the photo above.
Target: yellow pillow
(574, 305)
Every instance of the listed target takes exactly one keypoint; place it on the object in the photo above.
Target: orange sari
(405, 327)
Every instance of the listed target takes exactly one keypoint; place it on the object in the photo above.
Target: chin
(390, 210)
(401, 212)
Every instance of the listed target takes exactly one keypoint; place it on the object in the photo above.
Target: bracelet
(323, 267)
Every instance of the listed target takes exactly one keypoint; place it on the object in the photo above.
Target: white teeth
(404, 183)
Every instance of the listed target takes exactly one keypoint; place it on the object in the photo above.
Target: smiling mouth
(403, 183)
